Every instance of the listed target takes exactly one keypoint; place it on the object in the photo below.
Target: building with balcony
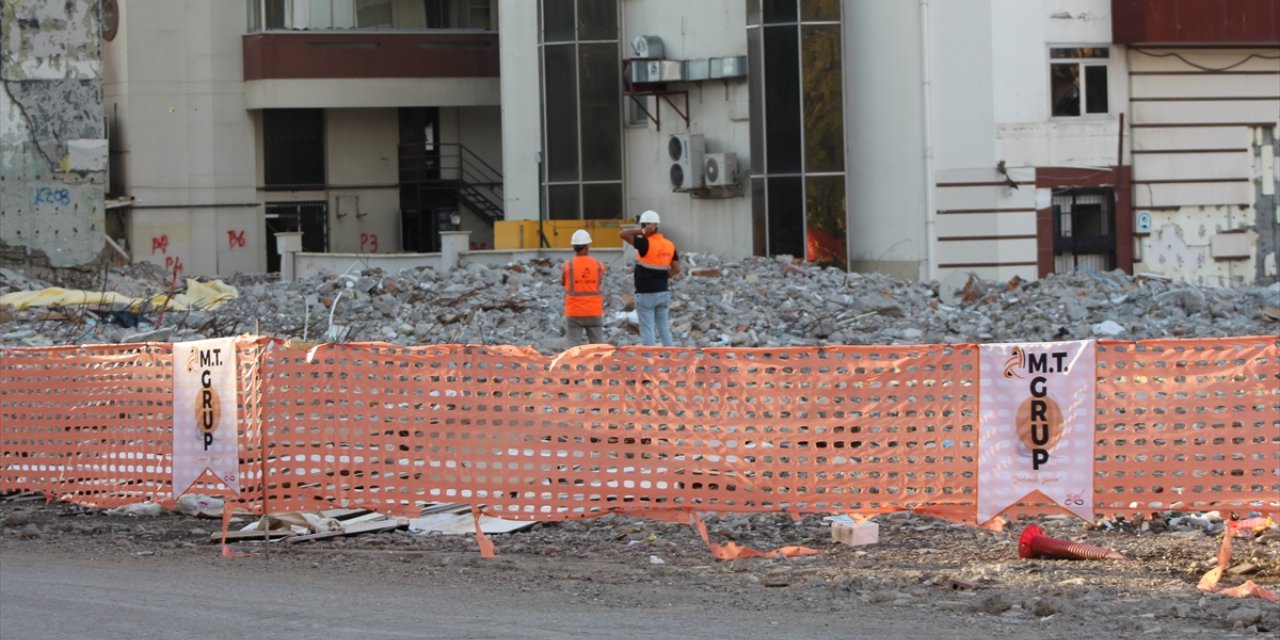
(1000, 137)
(369, 125)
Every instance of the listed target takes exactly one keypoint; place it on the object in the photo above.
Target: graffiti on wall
(52, 146)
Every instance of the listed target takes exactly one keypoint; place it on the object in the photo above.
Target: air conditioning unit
(685, 153)
(721, 169)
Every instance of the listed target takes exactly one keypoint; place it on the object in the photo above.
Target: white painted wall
(361, 161)
(1026, 135)
(187, 140)
(718, 110)
(885, 137)
(964, 94)
(521, 115)
(301, 93)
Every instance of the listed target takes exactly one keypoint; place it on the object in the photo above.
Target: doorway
(311, 218)
(1084, 223)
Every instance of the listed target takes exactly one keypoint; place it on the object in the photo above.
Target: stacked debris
(755, 302)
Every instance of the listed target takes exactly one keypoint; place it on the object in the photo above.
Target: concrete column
(288, 244)
(452, 246)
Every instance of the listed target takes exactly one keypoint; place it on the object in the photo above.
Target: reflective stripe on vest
(582, 296)
(659, 255)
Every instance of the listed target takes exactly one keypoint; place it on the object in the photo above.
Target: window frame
(1082, 65)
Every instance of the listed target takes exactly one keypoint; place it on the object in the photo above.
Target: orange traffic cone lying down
(1034, 544)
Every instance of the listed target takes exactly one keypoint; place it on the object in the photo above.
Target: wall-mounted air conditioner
(684, 152)
(721, 169)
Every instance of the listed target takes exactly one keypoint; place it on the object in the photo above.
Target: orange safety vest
(582, 296)
(659, 255)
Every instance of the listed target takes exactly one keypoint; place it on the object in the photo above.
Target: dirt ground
(640, 578)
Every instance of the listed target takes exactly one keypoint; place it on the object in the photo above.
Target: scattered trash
(125, 318)
(457, 519)
(1108, 328)
(1252, 527)
(137, 509)
(1033, 543)
(1209, 582)
(194, 504)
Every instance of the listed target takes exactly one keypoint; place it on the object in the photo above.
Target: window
(370, 14)
(293, 147)
(794, 52)
(582, 109)
(1078, 78)
(638, 110)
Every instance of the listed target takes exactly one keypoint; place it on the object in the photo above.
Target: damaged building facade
(53, 149)
(919, 139)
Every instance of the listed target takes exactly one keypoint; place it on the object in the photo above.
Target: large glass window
(599, 73)
(823, 99)
(597, 20)
(293, 148)
(820, 10)
(561, 72)
(795, 57)
(582, 109)
(782, 100)
(562, 202)
(824, 226)
(602, 201)
(558, 20)
(786, 215)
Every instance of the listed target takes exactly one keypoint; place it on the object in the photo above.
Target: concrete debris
(756, 302)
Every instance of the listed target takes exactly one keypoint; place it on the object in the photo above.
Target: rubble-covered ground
(953, 577)
(756, 302)
(939, 579)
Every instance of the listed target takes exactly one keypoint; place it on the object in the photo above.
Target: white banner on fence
(204, 413)
(1035, 425)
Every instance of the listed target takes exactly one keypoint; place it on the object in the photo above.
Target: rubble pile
(755, 302)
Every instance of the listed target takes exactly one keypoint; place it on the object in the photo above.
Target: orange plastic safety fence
(595, 430)
(94, 424)
(1188, 424)
(603, 429)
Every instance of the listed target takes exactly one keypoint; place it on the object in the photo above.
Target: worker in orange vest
(582, 278)
(656, 263)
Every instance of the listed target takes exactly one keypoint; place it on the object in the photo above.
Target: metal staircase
(452, 168)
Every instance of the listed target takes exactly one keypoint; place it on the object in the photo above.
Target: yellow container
(523, 234)
(515, 234)
(604, 233)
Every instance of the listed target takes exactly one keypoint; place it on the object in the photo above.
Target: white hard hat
(649, 217)
(580, 237)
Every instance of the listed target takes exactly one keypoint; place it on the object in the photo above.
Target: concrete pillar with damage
(53, 151)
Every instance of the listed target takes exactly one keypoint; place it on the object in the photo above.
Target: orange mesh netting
(599, 429)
